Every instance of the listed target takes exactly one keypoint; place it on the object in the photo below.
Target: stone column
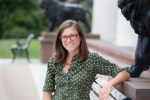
(47, 43)
(125, 34)
(104, 19)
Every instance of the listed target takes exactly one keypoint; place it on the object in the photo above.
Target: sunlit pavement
(21, 75)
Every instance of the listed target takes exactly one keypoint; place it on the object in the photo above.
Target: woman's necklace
(66, 67)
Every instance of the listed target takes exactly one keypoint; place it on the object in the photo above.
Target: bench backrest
(28, 41)
(98, 84)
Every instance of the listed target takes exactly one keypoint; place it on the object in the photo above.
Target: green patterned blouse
(76, 84)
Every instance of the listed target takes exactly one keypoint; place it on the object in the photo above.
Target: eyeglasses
(71, 37)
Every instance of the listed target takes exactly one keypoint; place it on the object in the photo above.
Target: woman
(72, 69)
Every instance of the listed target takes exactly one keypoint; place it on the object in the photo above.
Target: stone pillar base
(137, 88)
(46, 42)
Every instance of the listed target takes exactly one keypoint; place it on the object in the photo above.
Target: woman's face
(71, 40)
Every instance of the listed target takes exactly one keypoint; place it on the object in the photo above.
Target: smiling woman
(72, 43)
(72, 69)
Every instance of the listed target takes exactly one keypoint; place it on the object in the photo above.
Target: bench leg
(27, 55)
(13, 50)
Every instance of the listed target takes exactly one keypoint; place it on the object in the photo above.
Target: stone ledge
(122, 54)
(137, 88)
(51, 35)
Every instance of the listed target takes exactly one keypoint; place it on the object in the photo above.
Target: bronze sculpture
(138, 13)
(57, 12)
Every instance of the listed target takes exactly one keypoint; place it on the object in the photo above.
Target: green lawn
(5, 48)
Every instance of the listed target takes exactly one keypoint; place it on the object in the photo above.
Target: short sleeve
(49, 85)
(104, 67)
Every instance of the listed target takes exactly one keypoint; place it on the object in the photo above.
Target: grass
(5, 48)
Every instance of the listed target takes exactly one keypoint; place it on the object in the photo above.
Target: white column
(125, 34)
(104, 19)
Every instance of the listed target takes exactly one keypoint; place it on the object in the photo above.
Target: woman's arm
(47, 96)
(120, 77)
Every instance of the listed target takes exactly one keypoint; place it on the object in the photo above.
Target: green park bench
(20, 48)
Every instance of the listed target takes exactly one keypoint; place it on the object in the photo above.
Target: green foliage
(89, 15)
(16, 32)
(24, 15)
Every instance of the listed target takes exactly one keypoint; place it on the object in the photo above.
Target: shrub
(17, 32)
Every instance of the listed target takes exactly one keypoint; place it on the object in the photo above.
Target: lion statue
(57, 12)
(138, 13)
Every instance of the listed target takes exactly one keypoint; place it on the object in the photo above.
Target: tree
(20, 17)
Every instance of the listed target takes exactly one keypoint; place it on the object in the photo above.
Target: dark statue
(57, 12)
(138, 13)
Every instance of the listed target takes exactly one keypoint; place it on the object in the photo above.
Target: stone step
(146, 74)
(122, 54)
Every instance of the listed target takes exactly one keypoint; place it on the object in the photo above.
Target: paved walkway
(21, 80)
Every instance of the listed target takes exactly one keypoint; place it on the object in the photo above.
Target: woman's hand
(120, 77)
(105, 91)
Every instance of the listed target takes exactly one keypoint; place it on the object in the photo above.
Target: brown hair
(60, 53)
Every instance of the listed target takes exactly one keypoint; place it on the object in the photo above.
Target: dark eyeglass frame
(71, 37)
